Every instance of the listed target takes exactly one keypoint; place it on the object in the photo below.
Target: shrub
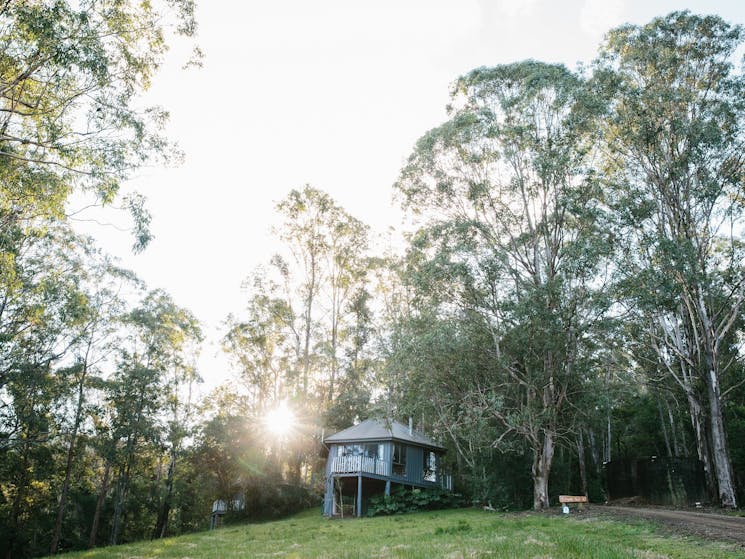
(403, 500)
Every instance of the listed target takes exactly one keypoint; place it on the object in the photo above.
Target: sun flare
(281, 420)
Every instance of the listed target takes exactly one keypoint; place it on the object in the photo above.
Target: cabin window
(430, 466)
(399, 459)
(374, 450)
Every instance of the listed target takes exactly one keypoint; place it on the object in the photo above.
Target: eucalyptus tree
(43, 316)
(359, 362)
(513, 211)
(181, 375)
(160, 333)
(102, 307)
(71, 74)
(347, 267)
(39, 297)
(134, 395)
(325, 269)
(675, 135)
(260, 346)
(304, 230)
(300, 337)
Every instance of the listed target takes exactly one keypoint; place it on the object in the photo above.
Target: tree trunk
(582, 463)
(542, 458)
(684, 342)
(63, 495)
(607, 443)
(309, 322)
(68, 466)
(594, 452)
(161, 526)
(702, 447)
(99, 505)
(663, 427)
(22, 483)
(122, 490)
(720, 451)
(334, 359)
(116, 520)
(674, 431)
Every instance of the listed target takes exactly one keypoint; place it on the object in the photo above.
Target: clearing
(452, 534)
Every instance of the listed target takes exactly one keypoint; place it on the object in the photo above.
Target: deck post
(387, 487)
(359, 496)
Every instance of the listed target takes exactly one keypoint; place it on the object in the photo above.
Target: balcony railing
(365, 465)
(360, 464)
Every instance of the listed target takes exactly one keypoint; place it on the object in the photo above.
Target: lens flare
(281, 420)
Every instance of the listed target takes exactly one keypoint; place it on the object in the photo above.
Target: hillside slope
(450, 534)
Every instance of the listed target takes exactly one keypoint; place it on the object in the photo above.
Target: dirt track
(707, 525)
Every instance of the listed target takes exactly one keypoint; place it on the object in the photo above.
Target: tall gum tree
(302, 320)
(506, 186)
(327, 249)
(101, 307)
(674, 133)
(159, 335)
(304, 230)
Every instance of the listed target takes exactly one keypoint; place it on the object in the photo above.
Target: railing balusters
(365, 464)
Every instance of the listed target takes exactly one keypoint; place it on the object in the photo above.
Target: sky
(332, 93)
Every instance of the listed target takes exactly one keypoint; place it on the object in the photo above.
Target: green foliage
(270, 498)
(403, 500)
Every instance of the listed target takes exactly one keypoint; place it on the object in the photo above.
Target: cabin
(372, 458)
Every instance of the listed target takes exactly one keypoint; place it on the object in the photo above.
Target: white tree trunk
(702, 448)
(720, 450)
(542, 458)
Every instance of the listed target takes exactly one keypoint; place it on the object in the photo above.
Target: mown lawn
(450, 534)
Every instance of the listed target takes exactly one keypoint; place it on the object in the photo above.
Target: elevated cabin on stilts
(375, 456)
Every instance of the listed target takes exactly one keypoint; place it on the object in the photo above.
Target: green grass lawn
(450, 534)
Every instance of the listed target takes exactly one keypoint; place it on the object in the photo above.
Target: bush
(265, 501)
(403, 500)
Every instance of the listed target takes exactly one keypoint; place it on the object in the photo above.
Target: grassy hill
(453, 534)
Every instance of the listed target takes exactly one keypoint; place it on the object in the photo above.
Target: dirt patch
(706, 525)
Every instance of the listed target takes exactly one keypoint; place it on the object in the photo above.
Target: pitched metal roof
(380, 430)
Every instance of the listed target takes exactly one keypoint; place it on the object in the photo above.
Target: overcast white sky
(332, 93)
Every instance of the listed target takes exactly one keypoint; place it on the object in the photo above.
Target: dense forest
(570, 290)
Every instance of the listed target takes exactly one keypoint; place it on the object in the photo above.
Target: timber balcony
(383, 468)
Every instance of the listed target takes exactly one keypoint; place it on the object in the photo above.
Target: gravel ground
(710, 525)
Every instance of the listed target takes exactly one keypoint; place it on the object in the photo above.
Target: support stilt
(359, 496)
